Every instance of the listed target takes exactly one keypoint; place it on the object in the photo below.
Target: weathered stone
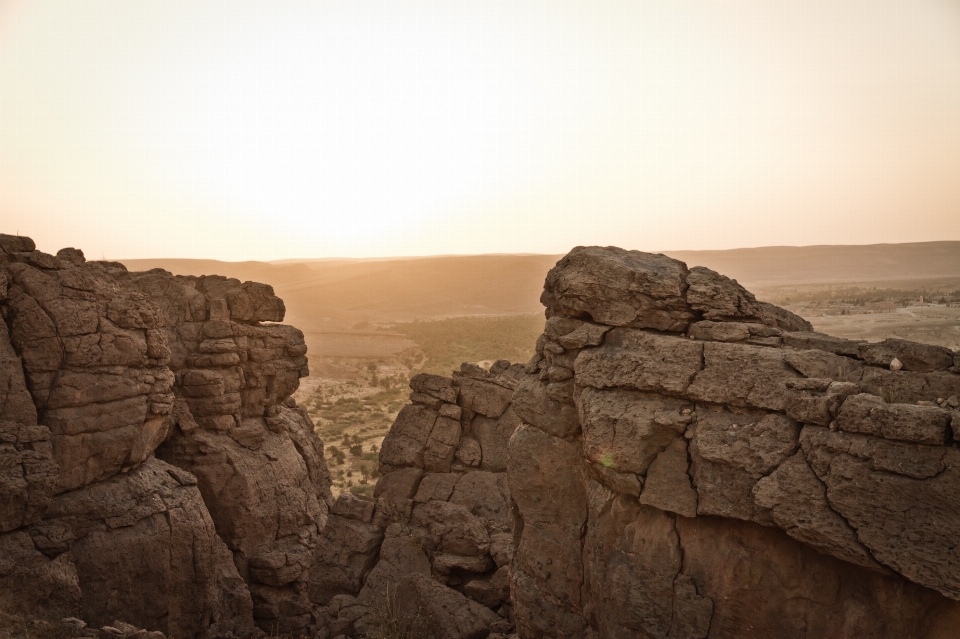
(587, 334)
(912, 355)
(400, 556)
(34, 584)
(469, 452)
(398, 486)
(440, 387)
(353, 507)
(667, 485)
(534, 406)
(870, 415)
(799, 505)
(742, 375)
(912, 536)
(642, 361)
(142, 541)
(764, 584)
(484, 398)
(619, 288)
(634, 559)
(428, 606)
(626, 430)
(491, 592)
(493, 437)
(346, 551)
(731, 453)
(442, 445)
(807, 340)
(624, 483)
(722, 299)
(482, 493)
(453, 528)
(435, 486)
(407, 439)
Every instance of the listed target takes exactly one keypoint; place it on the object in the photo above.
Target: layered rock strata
(435, 545)
(152, 467)
(695, 463)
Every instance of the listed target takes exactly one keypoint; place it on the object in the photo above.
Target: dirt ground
(929, 324)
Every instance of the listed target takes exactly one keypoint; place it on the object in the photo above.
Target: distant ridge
(392, 289)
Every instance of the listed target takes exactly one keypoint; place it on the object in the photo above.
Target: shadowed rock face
(438, 536)
(153, 469)
(703, 465)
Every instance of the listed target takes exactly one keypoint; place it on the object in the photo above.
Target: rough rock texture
(153, 469)
(436, 542)
(695, 463)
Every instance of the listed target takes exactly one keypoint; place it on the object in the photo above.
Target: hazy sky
(268, 130)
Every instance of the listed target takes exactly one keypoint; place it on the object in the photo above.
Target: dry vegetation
(354, 400)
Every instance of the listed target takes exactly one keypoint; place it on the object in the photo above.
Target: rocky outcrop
(677, 460)
(153, 469)
(435, 545)
(258, 463)
(694, 463)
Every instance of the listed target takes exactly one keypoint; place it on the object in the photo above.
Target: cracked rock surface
(710, 467)
(153, 469)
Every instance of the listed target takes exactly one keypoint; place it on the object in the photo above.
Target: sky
(275, 130)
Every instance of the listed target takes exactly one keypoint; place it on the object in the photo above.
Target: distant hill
(392, 289)
(781, 265)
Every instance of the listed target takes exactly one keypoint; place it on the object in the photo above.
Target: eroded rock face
(695, 463)
(435, 545)
(153, 469)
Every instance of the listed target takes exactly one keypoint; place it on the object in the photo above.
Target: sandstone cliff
(694, 463)
(677, 460)
(153, 469)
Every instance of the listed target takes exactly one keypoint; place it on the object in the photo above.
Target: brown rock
(407, 439)
(431, 606)
(731, 453)
(346, 551)
(146, 550)
(400, 556)
(442, 445)
(436, 486)
(452, 528)
(484, 398)
(642, 361)
(721, 299)
(482, 493)
(619, 288)
(810, 340)
(911, 535)
(798, 502)
(443, 388)
(764, 584)
(492, 436)
(493, 591)
(534, 406)
(742, 375)
(667, 486)
(626, 430)
(912, 355)
(870, 415)
(33, 584)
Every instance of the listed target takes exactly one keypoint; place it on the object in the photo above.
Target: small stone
(953, 401)
(895, 364)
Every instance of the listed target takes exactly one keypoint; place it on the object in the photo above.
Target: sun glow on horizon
(268, 130)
